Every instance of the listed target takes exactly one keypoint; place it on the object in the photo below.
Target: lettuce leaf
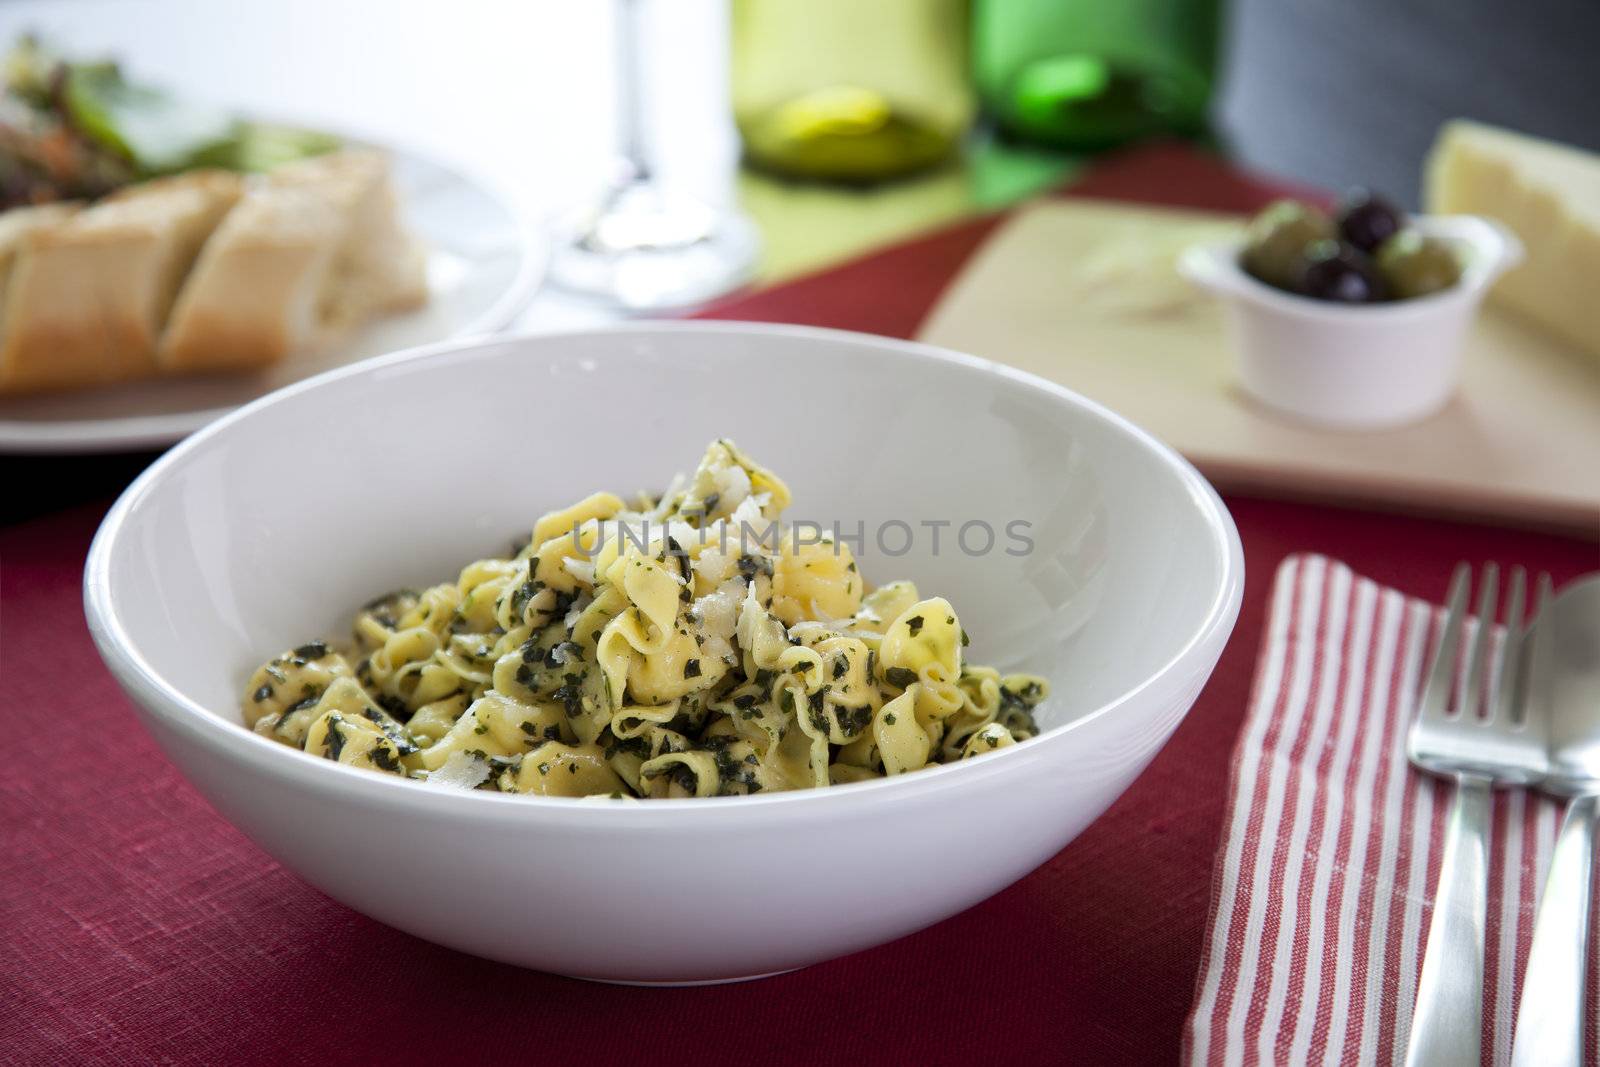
(155, 130)
(161, 133)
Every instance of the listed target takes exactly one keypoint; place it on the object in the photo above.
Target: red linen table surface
(136, 926)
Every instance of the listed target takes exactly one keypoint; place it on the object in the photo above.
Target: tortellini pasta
(686, 645)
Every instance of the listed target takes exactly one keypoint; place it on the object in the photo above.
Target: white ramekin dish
(1355, 366)
(266, 528)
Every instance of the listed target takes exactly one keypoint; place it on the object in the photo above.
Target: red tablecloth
(136, 926)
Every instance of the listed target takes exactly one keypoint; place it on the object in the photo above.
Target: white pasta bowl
(268, 527)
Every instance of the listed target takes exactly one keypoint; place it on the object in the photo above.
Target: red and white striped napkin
(1323, 886)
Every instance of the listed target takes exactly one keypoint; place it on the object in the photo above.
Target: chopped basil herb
(900, 676)
(394, 706)
(335, 738)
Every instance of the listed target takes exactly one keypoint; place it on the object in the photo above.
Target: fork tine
(1436, 692)
(1488, 591)
(1510, 658)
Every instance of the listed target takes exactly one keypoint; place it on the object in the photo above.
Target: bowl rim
(154, 695)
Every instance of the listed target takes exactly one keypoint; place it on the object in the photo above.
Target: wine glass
(639, 246)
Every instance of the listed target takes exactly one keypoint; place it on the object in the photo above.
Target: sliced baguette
(17, 227)
(312, 251)
(87, 297)
(253, 296)
(379, 266)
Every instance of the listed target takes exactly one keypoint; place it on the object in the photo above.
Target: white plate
(483, 264)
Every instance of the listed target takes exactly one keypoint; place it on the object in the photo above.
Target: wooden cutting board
(1086, 293)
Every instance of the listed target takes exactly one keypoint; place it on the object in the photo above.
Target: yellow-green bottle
(850, 90)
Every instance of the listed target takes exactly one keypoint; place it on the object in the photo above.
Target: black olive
(1336, 272)
(1366, 220)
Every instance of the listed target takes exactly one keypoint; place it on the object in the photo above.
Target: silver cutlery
(1476, 742)
(1565, 674)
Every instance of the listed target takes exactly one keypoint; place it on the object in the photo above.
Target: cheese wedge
(1549, 194)
(86, 298)
(312, 251)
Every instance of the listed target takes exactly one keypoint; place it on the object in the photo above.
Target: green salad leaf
(156, 131)
(259, 146)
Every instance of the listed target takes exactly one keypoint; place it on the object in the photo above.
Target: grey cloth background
(1351, 92)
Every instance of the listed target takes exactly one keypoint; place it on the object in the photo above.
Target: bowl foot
(693, 982)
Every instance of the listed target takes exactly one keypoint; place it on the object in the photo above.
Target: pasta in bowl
(688, 646)
(267, 529)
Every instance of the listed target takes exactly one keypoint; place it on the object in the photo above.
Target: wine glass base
(644, 249)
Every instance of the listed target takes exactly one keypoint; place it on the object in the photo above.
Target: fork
(1476, 752)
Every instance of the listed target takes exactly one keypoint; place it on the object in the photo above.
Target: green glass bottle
(1092, 74)
(850, 90)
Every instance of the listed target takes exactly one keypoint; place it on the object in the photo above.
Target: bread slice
(87, 298)
(379, 266)
(253, 295)
(17, 227)
(20, 223)
(314, 250)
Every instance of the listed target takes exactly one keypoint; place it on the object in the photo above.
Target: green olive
(1276, 242)
(1415, 265)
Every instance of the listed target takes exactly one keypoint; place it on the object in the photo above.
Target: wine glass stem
(630, 81)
